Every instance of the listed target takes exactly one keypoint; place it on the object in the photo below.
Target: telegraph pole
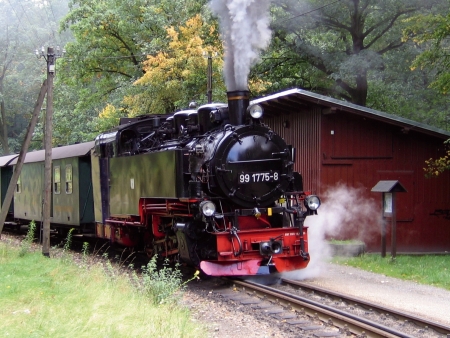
(209, 81)
(209, 75)
(48, 135)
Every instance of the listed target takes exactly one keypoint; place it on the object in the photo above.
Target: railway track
(322, 320)
(419, 322)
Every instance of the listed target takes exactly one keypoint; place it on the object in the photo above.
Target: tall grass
(163, 285)
(43, 297)
(425, 269)
(29, 238)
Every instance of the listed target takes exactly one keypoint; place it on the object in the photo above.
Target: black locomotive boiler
(213, 187)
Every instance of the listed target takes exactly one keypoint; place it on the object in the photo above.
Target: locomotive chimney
(238, 102)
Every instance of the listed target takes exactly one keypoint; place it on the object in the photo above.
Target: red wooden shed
(341, 143)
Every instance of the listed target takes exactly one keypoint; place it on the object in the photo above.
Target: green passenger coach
(72, 198)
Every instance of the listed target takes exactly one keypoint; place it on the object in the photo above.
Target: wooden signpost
(389, 210)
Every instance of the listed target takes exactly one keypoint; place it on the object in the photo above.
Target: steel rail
(346, 322)
(421, 322)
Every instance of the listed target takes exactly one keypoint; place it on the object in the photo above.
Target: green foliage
(161, 285)
(68, 241)
(85, 253)
(353, 50)
(349, 43)
(112, 40)
(177, 75)
(425, 269)
(432, 31)
(108, 118)
(65, 254)
(24, 26)
(406, 93)
(73, 122)
(282, 67)
(28, 240)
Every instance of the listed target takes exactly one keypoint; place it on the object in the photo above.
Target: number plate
(244, 178)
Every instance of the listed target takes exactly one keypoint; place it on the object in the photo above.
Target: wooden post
(22, 154)
(48, 154)
(383, 237)
(394, 227)
(209, 79)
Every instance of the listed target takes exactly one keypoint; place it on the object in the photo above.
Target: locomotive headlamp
(208, 208)
(312, 202)
(256, 111)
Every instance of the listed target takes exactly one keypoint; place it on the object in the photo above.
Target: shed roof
(289, 101)
(73, 150)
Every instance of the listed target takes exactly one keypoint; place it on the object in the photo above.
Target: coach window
(18, 186)
(57, 180)
(68, 179)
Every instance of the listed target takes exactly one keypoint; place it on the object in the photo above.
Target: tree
(281, 68)
(24, 26)
(433, 32)
(12, 51)
(177, 75)
(347, 41)
(112, 39)
(6, 64)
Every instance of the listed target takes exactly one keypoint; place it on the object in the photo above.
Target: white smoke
(244, 25)
(344, 210)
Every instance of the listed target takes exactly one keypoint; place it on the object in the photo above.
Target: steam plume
(345, 210)
(244, 25)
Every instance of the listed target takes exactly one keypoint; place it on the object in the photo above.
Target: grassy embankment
(55, 297)
(424, 269)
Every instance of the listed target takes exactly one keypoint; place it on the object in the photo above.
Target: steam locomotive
(213, 187)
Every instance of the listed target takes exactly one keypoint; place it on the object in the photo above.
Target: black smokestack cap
(238, 102)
